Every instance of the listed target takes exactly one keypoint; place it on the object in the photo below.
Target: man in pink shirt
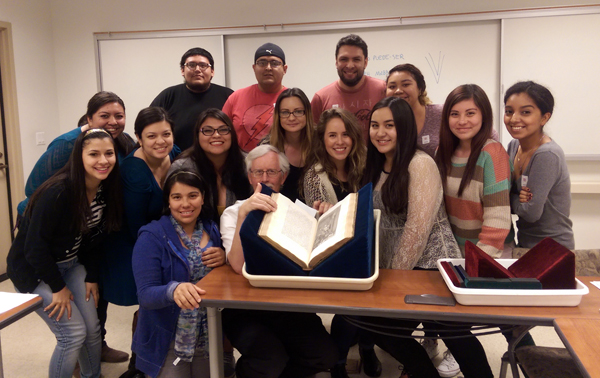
(353, 91)
(251, 108)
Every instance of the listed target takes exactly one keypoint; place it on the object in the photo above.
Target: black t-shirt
(184, 107)
(341, 191)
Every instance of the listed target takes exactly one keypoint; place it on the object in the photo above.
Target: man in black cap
(186, 101)
(251, 108)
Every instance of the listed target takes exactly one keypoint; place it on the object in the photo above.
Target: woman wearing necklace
(541, 190)
(170, 256)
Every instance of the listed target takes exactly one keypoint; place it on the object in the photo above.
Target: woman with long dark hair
(216, 156)
(56, 252)
(414, 229)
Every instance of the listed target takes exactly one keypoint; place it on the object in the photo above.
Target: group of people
(108, 219)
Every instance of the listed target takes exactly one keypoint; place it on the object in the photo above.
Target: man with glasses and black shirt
(186, 101)
(251, 108)
(353, 91)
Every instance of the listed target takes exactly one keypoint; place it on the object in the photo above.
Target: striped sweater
(482, 214)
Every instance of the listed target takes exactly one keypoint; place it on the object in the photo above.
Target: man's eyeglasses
(262, 63)
(297, 113)
(258, 173)
(209, 131)
(193, 65)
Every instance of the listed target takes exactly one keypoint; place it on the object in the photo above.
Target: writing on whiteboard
(386, 57)
(436, 66)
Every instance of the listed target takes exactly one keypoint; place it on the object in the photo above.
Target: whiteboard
(563, 54)
(137, 70)
(448, 54)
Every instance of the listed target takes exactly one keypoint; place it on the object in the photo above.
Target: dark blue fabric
(143, 203)
(353, 260)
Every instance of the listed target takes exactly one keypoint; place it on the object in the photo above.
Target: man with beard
(186, 101)
(251, 108)
(272, 344)
(353, 91)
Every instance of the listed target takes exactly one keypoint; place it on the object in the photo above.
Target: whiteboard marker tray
(325, 283)
(512, 297)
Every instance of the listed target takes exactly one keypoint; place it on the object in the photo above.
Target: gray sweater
(547, 214)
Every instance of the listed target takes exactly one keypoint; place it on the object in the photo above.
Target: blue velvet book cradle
(355, 259)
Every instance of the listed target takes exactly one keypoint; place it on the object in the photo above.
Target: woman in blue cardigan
(170, 256)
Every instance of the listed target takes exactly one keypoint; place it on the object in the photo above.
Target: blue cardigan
(159, 265)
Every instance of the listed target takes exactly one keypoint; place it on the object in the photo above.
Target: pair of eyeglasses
(193, 65)
(260, 172)
(209, 131)
(297, 113)
(262, 63)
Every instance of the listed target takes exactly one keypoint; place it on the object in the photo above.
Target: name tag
(425, 139)
(334, 106)
(524, 180)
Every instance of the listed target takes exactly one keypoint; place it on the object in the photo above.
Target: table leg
(518, 334)
(215, 342)
(1, 366)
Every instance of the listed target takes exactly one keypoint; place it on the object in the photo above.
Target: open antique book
(303, 239)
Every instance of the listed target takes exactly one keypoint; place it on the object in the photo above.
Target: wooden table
(11, 316)
(226, 289)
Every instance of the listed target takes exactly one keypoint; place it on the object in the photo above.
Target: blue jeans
(77, 338)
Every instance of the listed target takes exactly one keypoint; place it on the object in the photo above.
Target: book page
(335, 228)
(289, 229)
(327, 226)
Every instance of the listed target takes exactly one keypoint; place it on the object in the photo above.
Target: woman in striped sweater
(475, 172)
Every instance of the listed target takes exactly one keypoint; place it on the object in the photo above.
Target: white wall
(55, 59)
(35, 73)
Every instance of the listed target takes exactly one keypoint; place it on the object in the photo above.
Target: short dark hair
(189, 178)
(124, 143)
(197, 51)
(148, 116)
(99, 100)
(352, 40)
(538, 93)
(417, 76)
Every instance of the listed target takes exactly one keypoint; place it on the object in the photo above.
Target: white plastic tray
(327, 283)
(504, 297)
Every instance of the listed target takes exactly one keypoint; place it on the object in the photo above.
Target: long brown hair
(355, 162)
(449, 142)
(277, 134)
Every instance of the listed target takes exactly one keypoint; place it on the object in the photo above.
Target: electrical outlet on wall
(40, 138)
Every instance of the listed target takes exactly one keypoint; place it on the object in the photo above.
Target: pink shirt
(251, 112)
(359, 103)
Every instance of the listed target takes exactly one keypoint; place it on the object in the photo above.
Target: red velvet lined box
(550, 262)
(480, 264)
